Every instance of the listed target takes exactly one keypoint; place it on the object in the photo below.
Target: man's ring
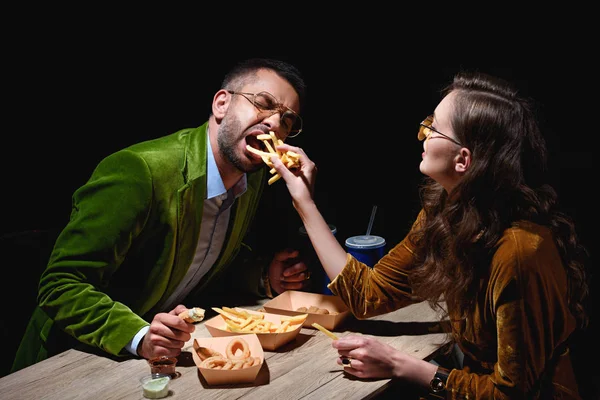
(346, 362)
(307, 273)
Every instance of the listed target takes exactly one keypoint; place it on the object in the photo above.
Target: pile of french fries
(242, 321)
(288, 158)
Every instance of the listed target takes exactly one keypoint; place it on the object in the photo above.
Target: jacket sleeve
(108, 212)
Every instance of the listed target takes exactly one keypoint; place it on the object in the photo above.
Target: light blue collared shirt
(215, 221)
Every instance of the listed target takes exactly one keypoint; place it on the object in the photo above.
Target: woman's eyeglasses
(425, 130)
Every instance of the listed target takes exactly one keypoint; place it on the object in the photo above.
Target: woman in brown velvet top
(489, 241)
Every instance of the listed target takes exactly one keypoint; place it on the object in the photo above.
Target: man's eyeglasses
(425, 130)
(266, 102)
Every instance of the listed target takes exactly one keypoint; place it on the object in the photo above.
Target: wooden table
(302, 369)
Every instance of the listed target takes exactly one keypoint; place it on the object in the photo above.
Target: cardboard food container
(216, 326)
(289, 301)
(225, 377)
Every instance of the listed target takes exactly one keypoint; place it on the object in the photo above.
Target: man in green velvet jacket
(158, 222)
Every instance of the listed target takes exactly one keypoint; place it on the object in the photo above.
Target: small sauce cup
(163, 365)
(155, 386)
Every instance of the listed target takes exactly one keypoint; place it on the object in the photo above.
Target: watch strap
(267, 284)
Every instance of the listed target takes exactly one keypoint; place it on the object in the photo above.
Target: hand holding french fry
(293, 159)
(300, 181)
(289, 158)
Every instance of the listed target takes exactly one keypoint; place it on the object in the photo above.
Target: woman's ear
(463, 160)
(220, 103)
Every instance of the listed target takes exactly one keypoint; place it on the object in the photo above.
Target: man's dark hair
(238, 75)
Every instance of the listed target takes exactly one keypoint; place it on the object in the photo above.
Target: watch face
(437, 385)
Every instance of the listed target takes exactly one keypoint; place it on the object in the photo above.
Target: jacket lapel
(190, 204)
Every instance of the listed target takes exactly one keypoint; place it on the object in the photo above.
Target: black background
(76, 90)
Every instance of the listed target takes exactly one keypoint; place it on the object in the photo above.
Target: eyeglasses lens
(289, 119)
(424, 130)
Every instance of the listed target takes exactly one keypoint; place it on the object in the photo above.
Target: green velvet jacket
(130, 240)
(514, 341)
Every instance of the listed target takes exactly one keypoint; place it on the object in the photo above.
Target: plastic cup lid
(302, 230)
(365, 242)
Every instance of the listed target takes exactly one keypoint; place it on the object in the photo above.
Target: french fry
(289, 158)
(293, 155)
(276, 142)
(251, 326)
(266, 326)
(242, 314)
(274, 179)
(228, 315)
(232, 311)
(232, 326)
(259, 152)
(325, 331)
(241, 321)
(248, 321)
(270, 148)
(282, 327)
(255, 315)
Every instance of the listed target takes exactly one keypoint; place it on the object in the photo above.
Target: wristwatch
(438, 383)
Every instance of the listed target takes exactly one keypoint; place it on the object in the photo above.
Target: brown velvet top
(517, 329)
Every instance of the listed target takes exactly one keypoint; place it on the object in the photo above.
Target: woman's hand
(300, 181)
(366, 357)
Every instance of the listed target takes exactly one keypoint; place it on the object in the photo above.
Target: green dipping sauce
(156, 388)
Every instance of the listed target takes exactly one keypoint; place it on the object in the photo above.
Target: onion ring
(205, 352)
(216, 362)
(238, 364)
(237, 344)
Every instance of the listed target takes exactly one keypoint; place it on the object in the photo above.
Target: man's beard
(228, 139)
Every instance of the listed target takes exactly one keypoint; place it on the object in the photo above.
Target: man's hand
(167, 335)
(288, 272)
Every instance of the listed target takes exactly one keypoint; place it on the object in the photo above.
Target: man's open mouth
(254, 142)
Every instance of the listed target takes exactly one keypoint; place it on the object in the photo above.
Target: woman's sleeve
(379, 290)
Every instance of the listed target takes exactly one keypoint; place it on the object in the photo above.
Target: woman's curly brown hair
(505, 183)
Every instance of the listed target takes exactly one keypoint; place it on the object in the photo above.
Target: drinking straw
(372, 218)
